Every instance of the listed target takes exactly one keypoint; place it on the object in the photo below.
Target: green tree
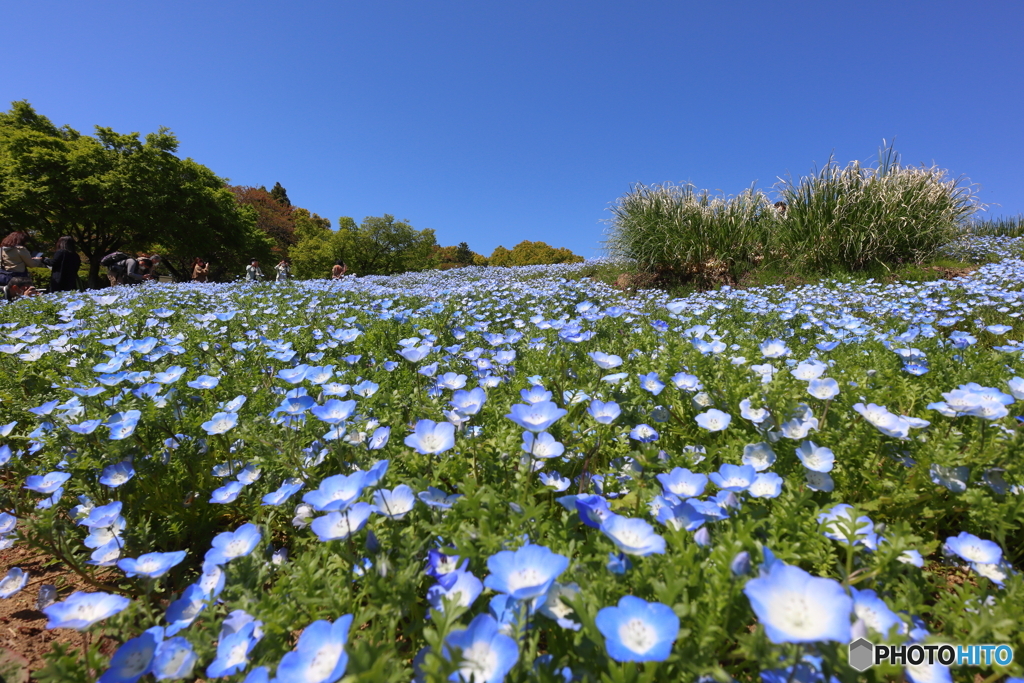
(528, 253)
(378, 246)
(313, 253)
(463, 254)
(280, 195)
(383, 246)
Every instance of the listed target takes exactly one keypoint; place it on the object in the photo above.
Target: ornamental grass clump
(852, 218)
(686, 235)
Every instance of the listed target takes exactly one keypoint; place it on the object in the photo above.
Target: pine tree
(280, 195)
(463, 254)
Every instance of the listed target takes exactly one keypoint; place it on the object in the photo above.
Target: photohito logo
(864, 654)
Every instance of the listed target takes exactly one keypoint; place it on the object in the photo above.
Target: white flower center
(524, 578)
(323, 662)
(478, 660)
(136, 663)
(638, 636)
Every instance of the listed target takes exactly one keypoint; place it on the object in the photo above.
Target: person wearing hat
(253, 272)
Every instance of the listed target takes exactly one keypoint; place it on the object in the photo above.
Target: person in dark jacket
(64, 268)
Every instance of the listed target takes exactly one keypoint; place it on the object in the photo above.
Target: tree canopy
(528, 253)
(380, 245)
(115, 192)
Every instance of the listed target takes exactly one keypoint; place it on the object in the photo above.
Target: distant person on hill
(16, 288)
(284, 270)
(64, 268)
(339, 270)
(15, 258)
(781, 207)
(253, 272)
(200, 270)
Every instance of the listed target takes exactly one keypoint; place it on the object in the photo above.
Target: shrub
(687, 235)
(851, 218)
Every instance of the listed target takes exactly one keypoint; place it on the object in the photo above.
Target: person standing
(284, 270)
(15, 257)
(64, 268)
(339, 270)
(200, 270)
(253, 272)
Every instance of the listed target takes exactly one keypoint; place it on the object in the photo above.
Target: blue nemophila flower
(117, 474)
(220, 423)
(525, 573)
(204, 382)
(334, 411)
(134, 658)
(468, 402)
(366, 388)
(605, 361)
(838, 523)
(644, 433)
(733, 477)
(487, 654)
(233, 650)
(336, 526)
(228, 545)
(542, 445)
(687, 382)
(437, 498)
(439, 564)
(604, 413)
(536, 417)
(774, 348)
(81, 610)
(431, 437)
(7, 523)
(289, 487)
(713, 420)
(174, 659)
(555, 481)
(632, 536)
(795, 607)
(170, 375)
(414, 354)
(13, 582)
(553, 607)
(682, 482)
(872, 613)
(760, 456)
(618, 563)
(973, 549)
(651, 383)
(227, 493)
(815, 457)
(151, 565)
(46, 483)
(638, 631)
(122, 425)
(680, 515)
(459, 585)
(396, 503)
(319, 656)
(6, 454)
(819, 481)
(102, 516)
(336, 492)
(766, 485)
(825, 388)
(211, 581)
(182, 612)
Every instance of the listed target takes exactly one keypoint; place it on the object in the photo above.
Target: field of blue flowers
(519, 474)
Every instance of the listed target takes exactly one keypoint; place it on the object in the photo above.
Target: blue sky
(494, 123)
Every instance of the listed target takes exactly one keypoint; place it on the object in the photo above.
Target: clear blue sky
(494, 123)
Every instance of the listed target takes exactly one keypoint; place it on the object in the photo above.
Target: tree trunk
(94, 270)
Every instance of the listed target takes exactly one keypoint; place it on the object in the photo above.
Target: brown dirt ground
(23, 635)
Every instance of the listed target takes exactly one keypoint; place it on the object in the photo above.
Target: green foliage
(528, 253)
(378, 246)
(850, 218)
(840, 219)
(686, 235)
(280, 195)
(115, 192)
(1001, 226)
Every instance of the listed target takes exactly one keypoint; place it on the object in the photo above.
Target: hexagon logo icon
(862, 654)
